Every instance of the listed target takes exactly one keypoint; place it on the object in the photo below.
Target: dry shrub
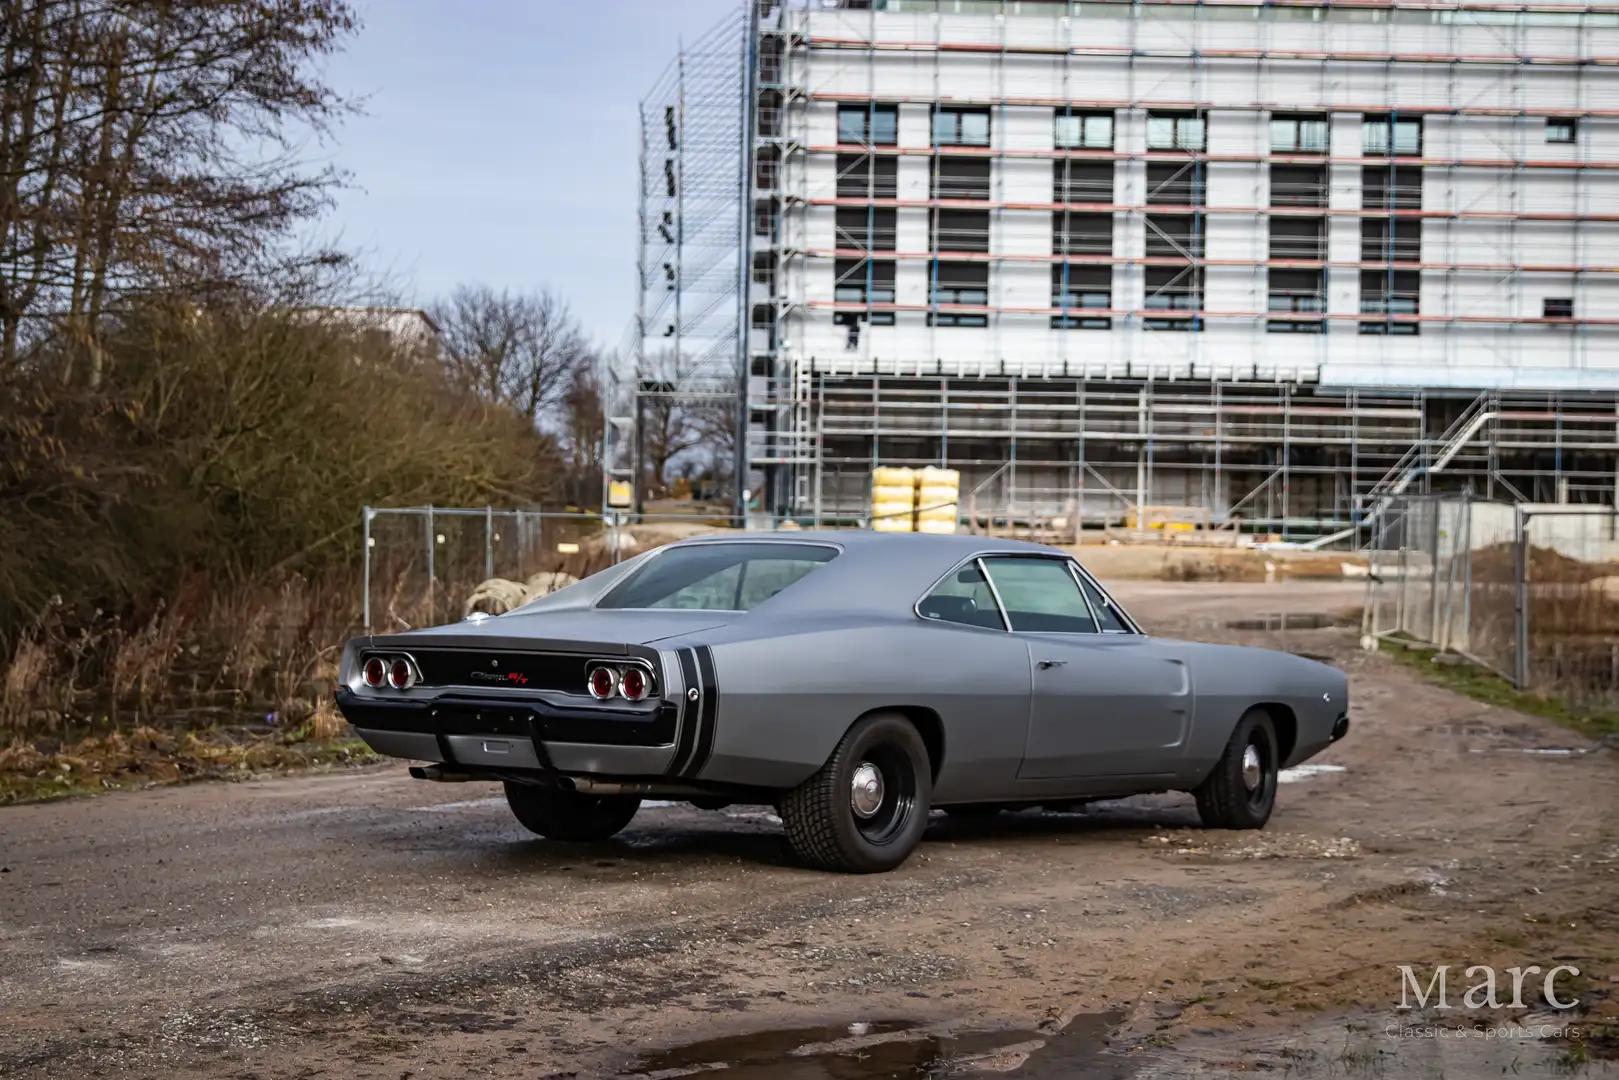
(181, 543)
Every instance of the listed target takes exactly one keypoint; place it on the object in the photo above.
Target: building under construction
(1275, 261)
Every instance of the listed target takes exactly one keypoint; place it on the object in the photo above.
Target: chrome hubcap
(1251, 770)
(866, 790)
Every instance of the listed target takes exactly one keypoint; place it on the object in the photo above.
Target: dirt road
(367, 925)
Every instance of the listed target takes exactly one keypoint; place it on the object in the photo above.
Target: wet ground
(371, 926)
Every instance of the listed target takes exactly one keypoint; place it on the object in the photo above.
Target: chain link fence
(1529, 591)
(422, 563)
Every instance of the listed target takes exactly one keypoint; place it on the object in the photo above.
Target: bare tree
(522, 349)
(678, 421)
(149, 145)
(581, 428)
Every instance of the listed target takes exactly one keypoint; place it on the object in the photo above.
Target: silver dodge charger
(854, 681)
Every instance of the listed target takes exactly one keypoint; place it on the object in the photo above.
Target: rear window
(716, 577)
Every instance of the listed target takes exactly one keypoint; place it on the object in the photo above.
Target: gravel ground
(367, 925)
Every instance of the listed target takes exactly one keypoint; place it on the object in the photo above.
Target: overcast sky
(498, 143)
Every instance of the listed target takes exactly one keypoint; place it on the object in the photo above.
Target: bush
(225, 452)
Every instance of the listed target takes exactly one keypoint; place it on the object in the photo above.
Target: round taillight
(401, 676)
(633, 684)
(375, 671)
(602, 684)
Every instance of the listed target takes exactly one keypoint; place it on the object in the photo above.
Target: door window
(963, 597)
(1106, 614)
(1041, 595)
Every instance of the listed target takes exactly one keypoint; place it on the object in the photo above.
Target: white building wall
(1500, 232)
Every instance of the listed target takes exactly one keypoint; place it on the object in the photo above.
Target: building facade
(1276, 261)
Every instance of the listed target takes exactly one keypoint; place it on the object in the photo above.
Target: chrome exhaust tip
(1340, 727)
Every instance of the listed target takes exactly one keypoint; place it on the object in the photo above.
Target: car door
(1103, 704)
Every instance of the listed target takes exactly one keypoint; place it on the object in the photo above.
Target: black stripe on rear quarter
(687, 739)
(710, 703)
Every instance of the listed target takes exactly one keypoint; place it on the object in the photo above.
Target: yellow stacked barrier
(893, 499)
(938, 497)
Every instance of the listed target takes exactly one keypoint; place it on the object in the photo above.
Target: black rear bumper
(537, 720)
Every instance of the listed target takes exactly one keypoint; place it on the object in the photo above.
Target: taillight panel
(630, 682)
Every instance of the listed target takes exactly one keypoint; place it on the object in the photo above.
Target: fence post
(488, 542)
(365, 567)
(1437, 509)
(1467, 571)
(430, 571)
(1520, 603)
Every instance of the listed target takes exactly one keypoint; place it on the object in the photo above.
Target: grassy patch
(1486, 686)
(145, 757)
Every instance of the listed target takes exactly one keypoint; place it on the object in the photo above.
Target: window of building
(1296, 292)
(770, 52)
(1174, 289)
(867, 176)
(769, 114)
(1560, 129)
(1082, 288)
(1557, 307)
(1082, 131)
(1298, 185)
(764, 270)
(960, 230)
(767, 168)
(1298, 238)
(866, 228)
(1391, 240)
(868, 125)
(959, 283)
(960, 127)
(1390, 293)
(1384, 136)
(1175, 131)
(961, 178)
(863, 281)
(1169, 184)
(1177, 236)
(1081, 234)
(1292, 134)
(764, 217)
(1082, 181)
(1391, 188)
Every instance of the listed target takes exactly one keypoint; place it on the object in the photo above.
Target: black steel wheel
(1241, 791)
(866, 809)
(568, 815)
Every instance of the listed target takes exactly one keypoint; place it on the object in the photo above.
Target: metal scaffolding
(889, 213)
(685, 353)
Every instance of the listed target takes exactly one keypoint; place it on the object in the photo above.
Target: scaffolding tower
(684, 367)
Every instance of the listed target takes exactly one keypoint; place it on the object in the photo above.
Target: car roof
(877, 573)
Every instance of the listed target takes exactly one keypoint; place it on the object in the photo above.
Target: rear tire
(568, 815)
(866, 809)
(1241, 791)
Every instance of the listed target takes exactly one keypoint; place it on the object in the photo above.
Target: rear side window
(716, 577)
(1041, 595)
(963, 597)
(1105, 611)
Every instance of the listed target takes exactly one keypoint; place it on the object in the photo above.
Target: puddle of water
(1281, 620)
(892, 1049)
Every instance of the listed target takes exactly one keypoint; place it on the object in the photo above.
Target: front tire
(1241, 791)
(568, 815)
(865, 810)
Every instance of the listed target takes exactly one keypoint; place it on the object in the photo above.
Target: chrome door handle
(1051, 664)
